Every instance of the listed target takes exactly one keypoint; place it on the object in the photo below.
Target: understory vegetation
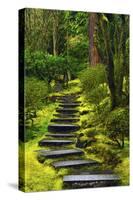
(80, 53)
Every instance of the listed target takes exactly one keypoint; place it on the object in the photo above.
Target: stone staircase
(62, 133)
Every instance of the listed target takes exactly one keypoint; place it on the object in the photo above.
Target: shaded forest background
(61, 46)
(69, 52)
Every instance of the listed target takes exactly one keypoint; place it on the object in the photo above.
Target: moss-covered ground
(39, 176)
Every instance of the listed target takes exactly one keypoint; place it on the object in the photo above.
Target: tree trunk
(55, 27)
(54, 39)
(110, 64)
(123, 47)
(93, 52)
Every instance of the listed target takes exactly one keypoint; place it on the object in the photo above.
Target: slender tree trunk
(54, 39)
(93, 52)
(110, 64)
(55, 34)
(123, 47)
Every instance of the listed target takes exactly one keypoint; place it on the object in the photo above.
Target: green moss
(73, 87)
(41, 122)
(39, 177)
(123, 170)
(42, 176)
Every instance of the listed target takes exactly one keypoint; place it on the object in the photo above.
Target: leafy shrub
(104, 108)
(92, 77)
(35, 93)
(93, 81)
(117, 125)
(92, 132)
(97, 95)
(44, 66)
(123, 170)
(72, 66)
(49, 67)
(77, 43)
(105, 105)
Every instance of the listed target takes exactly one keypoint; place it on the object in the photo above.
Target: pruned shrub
(117, 124)
(97, 95)
(92, 77)
(35, 95)
(93, 82)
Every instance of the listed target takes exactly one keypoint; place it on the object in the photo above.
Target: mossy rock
(84, 112)
(91, 149)
(83, 141)
(40, 158)
(104, 151)
(89, 132)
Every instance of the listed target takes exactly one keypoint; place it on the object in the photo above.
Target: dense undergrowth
(101, 133)
(35, 175)
(92, 138)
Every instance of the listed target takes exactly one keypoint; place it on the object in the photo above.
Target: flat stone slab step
(65, 115)
(60, 153)
(90, 178)
(65, 120)
(55, 142)
(68, 97)
(64, 128)
(66, 102)
(69, 105)
(66, 110)
(60, 135)
(88, 172)
(74, 163)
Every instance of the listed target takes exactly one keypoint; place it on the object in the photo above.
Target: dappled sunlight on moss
(73, 87)
(123, 170)
(92, 139)
(40, 122)
(39, 177)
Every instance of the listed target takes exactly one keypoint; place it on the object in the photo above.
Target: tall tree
(123, 52)
(55, 32)
(115, 34)
(93, 52)
(106, 20)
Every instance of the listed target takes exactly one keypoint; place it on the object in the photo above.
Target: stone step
(89, 172)
(65, 115)
(74, 163)
(69, 101)
(60, 135)
(68, 97)
(64, 128)
(90, 178)
(69, 105)
(66, 110)
(55, 142)
(65, 120)
(59, 153)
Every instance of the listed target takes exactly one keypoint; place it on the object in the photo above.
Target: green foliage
(93, 81)
(92, 77)
(57, 65)
(75, 45)
(56, 45)
(39, 177)
(35, 93)
(105, 105)
(73, 87)
(124, 171)
(117, 125)
(104, 108)
(74, 66)
(44, 66)
(98, 94)
(40, 124)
